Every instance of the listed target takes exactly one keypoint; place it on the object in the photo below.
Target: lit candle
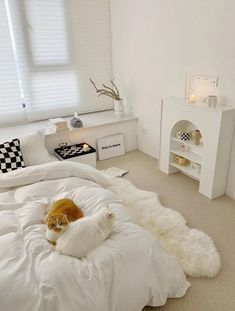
(85, 147)
(192, 98)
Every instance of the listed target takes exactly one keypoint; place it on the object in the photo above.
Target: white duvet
(128, 271)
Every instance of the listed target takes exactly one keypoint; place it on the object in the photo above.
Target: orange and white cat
(60, 214)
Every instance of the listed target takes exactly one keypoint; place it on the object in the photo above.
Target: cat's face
(57, 223)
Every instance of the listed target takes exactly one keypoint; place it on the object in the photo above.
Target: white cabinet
(207, 162)
(77, 153)
(89, 159)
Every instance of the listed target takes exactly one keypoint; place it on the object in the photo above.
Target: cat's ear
(65, 217)
(110, 215)
(49, 218)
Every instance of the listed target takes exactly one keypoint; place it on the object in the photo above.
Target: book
(58, 127)
(57, 121)
(116, 172)
(57, 124)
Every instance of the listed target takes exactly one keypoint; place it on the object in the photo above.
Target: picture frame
(110, 146)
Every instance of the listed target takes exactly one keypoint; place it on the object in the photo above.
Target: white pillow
(34, 150)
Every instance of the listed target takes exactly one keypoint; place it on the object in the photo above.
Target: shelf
(89, 120)
(188, 143)
(187, 155)
(187, 170)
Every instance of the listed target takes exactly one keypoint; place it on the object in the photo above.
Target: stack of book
(57, 125)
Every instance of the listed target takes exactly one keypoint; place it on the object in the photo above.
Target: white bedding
(128, 271)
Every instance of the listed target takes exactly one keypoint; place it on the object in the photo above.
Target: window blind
(52, 79)
(47, 32)
(59, 45)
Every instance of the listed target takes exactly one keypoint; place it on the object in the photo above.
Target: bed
(128, 271)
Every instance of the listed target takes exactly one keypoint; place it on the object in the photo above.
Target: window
(48, 51)
(47, 31)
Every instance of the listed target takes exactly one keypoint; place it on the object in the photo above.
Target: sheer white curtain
(50, 52)
(10, 94)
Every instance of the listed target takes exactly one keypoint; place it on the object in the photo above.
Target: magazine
(116, 172)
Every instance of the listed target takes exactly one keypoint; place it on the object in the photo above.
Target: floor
(216, 218)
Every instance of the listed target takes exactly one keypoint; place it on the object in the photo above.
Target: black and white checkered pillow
(10, 156)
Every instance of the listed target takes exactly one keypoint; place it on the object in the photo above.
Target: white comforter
(128, 271)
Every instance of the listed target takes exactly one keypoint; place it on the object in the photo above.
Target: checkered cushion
(10, 156)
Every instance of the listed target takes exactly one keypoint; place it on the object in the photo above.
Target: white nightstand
(82, 153)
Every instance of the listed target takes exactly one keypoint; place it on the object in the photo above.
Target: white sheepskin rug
(194, 250)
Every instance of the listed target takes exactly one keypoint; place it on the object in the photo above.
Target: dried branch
(109, 88)
(94, 84)
(107, 91)
(115, 87)
(103, 92)
(106, 95)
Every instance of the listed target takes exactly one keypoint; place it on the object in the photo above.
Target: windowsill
(89, 120)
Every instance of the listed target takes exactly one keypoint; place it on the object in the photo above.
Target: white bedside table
(82, 153)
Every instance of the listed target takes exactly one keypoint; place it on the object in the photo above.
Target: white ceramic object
(211, 100)
(196, 167)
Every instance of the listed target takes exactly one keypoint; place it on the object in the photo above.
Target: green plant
(107, 91)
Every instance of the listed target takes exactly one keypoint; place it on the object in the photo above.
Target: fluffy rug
(194, 250)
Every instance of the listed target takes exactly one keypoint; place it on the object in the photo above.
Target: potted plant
(112, 92)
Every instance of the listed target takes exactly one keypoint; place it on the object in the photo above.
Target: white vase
(119, 108)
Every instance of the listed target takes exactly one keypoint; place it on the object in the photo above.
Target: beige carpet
(216, 218)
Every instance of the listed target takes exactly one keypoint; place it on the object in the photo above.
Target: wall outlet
(206, 81)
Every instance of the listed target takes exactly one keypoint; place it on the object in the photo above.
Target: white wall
(155, 42)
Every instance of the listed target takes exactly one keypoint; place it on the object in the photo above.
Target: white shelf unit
(198, 149)
(193, 155)
(187, 155)
(187, 170)
(216, 126)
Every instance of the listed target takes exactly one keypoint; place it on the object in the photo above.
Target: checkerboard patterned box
(77, 153)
